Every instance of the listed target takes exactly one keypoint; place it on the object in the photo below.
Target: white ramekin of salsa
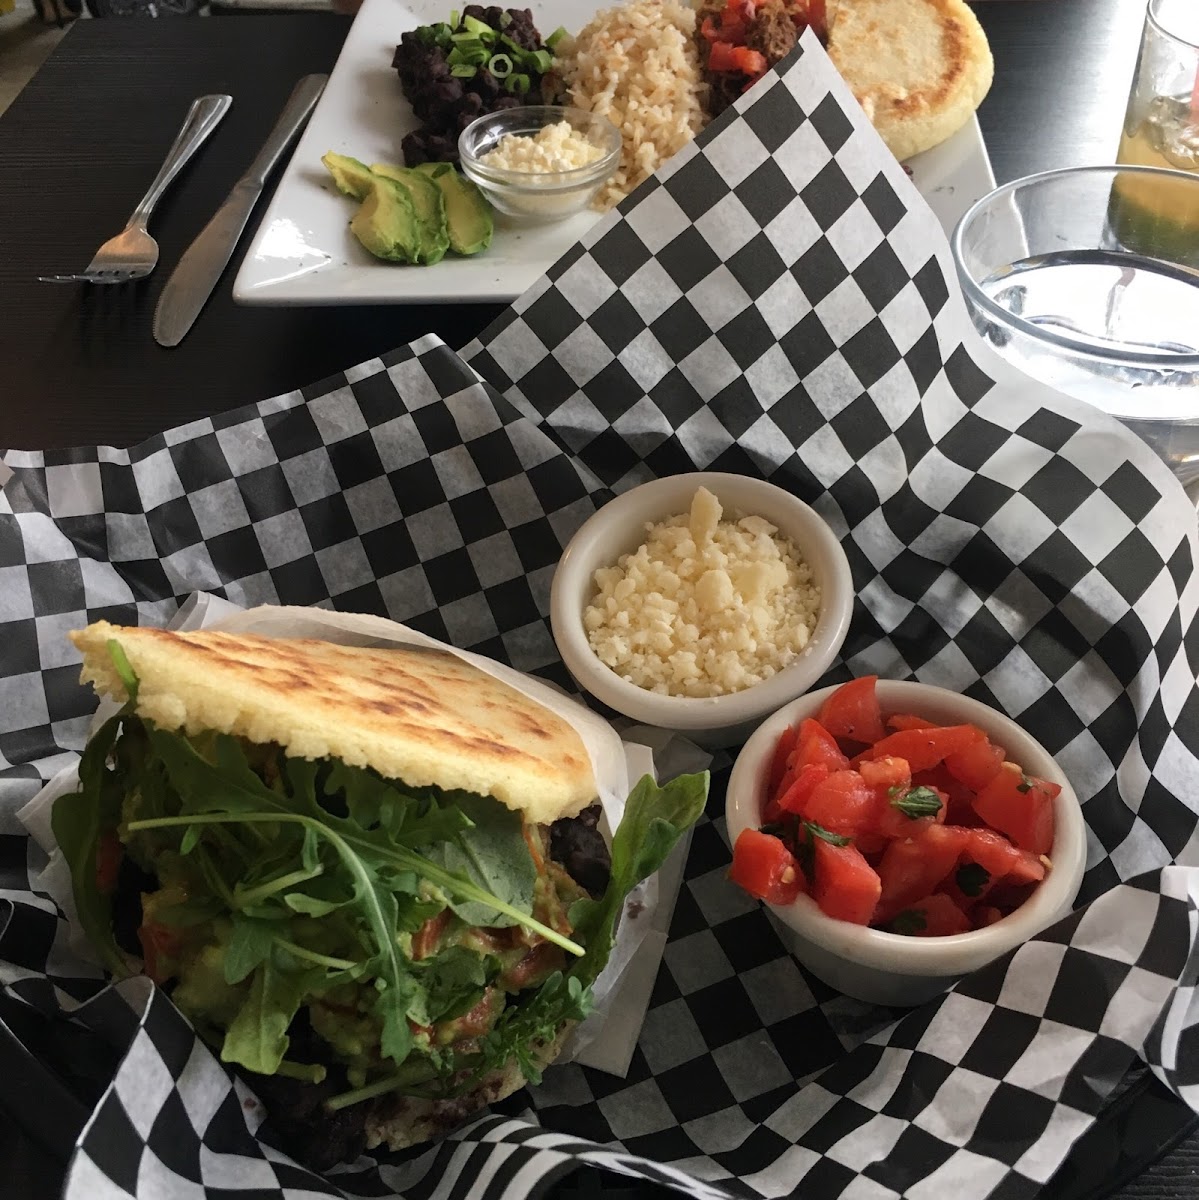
(903, 834)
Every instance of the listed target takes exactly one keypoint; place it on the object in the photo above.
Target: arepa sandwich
(372, 879)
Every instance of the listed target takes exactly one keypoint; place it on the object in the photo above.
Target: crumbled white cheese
(705, 606)
(556, 147)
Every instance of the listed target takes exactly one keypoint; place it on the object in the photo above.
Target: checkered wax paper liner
(776, 302)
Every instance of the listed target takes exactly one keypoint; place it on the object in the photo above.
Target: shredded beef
(578, 845)
(772, 32)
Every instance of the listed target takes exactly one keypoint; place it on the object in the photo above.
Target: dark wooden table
(79, 367)
(79, 145)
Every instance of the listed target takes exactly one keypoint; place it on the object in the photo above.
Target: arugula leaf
(971, 878)
(524, 1028)
(257, 1036)
(826, 835)
(250, 944)
(654, 820)
(493, 854)
(78, 819)
(918, 802)
(410, 820)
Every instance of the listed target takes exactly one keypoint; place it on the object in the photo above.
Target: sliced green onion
(539, 60)
(464, 71)
(453, 18)
(555, 37)
(477, 55)
(505, 18)
(476, 26)
(465, 39)
(518, 84)
(455, 58)
(500, 66)
(512, 43)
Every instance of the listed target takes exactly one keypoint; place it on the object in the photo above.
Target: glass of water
(1080, 279)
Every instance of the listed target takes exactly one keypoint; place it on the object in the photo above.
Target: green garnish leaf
(257, 1036)
(121, 664)
(654, 820)
(971, 878)
(826, 835)
(78, 820)
(191, 838)
(919, 802)
(910, 921)
(249, 946)
(491, 853)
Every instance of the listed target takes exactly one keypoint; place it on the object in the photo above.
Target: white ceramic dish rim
(642, 503)
(302, 252)
(954, 954)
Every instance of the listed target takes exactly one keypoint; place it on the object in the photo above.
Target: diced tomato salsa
(897, 822)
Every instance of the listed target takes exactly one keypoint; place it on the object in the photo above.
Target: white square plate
(303, 251)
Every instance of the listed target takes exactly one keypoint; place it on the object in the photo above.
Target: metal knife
(193, 280)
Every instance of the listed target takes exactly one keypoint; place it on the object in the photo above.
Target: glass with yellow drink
(1157, 215)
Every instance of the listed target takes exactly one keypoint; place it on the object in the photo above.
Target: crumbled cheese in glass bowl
(540, 162)
(553, 148)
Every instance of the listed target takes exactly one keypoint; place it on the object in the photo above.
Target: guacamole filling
(345, 938)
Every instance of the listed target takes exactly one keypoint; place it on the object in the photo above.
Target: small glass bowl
(535, 195)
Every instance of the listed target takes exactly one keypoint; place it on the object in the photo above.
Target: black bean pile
(445, 99)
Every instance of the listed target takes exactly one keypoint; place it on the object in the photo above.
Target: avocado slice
(387, 224)
(352, 177)
(429, 206)
(468, 214)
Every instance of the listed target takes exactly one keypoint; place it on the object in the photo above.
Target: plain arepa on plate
(919, 68)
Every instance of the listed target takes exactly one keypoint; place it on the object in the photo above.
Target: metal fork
(133, 253)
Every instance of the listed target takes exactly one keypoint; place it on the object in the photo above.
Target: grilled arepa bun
(919, 68)
(423, 716)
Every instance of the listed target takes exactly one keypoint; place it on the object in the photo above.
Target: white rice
(637, 64)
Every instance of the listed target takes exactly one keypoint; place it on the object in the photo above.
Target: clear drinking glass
(1076, 279)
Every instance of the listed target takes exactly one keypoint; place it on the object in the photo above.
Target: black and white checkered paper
(777, 302)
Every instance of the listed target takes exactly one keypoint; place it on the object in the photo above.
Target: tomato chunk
(909, 721)
(886, 773)
(843, 803)
(778, 764)
(1021, 806)
(109, 852)
(852, 711)
(818, 18)
(765, 868)
(924, 748)
(934, 916)
(913, 867)
(976, 765)
(795, 798)
(846, 886)
(817, 745)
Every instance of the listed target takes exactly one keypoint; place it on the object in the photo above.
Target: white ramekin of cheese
(540, 162)
(701, 603)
